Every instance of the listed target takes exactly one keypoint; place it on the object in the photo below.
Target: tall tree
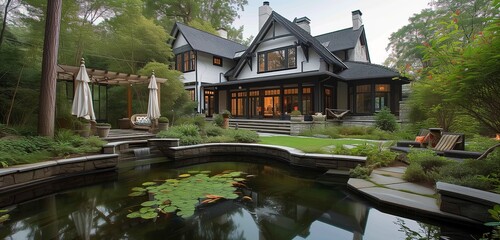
(49, 71)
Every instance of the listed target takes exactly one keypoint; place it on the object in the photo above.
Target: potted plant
(103, 129)
(296, 116)
(82, 127)
(225, 115)
(163, 123)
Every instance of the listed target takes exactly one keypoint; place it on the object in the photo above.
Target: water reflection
(286, 204)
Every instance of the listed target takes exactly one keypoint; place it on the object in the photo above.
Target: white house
(284, 69)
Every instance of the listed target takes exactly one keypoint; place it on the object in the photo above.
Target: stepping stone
(396, 197)
(412, 187)
(359, 183)
(379, 179)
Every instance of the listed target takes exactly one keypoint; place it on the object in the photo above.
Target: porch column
(317, 96)
(282, 102)
(300, 96)
(216, 100)
(247, 103)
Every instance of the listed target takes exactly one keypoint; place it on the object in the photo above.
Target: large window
(185, 62)
(363, 98)
(307, 101)
(238, 103)
(278, 59)
(382, 96)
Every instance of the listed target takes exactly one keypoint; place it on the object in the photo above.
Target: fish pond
(218, 200)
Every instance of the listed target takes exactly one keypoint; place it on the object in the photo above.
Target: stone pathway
(386, 186)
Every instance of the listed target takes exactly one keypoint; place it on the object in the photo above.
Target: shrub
(295, 113)
(415, 173)
(243, 135)
(479, 143)
(188, 134)
(190, 140)
(385, 120)
(163, 120)
(360, 172)
(218, 120)
(376, 155)
(213, 131)
(425, 166)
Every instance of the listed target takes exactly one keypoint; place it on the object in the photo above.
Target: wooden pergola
(105, 77)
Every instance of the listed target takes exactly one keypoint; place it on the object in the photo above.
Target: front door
(272, 107)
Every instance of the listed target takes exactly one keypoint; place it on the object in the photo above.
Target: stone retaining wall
(27, 174)
(467, 202)
(292, 156)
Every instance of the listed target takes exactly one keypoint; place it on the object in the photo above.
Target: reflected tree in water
(425, 231)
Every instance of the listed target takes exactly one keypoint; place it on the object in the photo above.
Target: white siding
(302, 65)
(358, 53)
(179, 41)
(210, 73)
(342, 95)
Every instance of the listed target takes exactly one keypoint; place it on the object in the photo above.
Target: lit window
(217, 61)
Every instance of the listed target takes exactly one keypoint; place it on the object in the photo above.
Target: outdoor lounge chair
(420, 140)
(336, 113)
(140, 122)
(447, 142)
(460, 154)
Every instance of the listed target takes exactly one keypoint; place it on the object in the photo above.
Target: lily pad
(134, 215)
(148, 184)
(138, 189)
(149, 215)
(149, 203)
(185, 175)
(136, 194)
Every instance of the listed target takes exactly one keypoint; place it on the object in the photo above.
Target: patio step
(265, 126)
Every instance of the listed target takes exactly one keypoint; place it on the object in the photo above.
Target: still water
(287, 203)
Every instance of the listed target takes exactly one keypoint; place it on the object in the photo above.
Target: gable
(276, 25)
(179, 41)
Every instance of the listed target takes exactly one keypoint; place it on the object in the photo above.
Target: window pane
(261, 62)
(186, 61)
(178, 66)
(363, 102)
(292, 62)
(192, 59)
(276, 60)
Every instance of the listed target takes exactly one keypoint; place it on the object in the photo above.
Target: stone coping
(467, 193)
(114, 147)
(170, 148)
(27, 174)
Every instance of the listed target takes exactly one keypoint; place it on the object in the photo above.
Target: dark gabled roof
(206, 42)
(302, 36)
(275, 77)
(364, 70)
(341, 39)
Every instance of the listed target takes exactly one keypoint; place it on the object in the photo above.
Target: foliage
(242, 135)
(101, 124)
(495, 232)
(425, 231)
(163, 120)
(4, 216)
(218, 120)
(213, 131)
(479, 143)
(187, 133)
(312, 145)
(377, 155)
(183, 195)
(295, 113)
(359, 132)
(385, 120)
(360, 172)
(20, 150)
(424, 166)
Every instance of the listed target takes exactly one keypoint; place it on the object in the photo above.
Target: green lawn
(306, 144)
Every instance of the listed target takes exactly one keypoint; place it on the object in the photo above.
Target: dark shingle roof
(341, 39)
(364, 70)
(209, 43)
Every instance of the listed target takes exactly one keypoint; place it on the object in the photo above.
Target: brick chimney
(264, 13)
(304, 23)
(356, 20)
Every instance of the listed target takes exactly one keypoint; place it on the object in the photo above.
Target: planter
(162, 126)
(83, 129)
(295, 118)
(225, 122)
(103, 131)
(321, 118)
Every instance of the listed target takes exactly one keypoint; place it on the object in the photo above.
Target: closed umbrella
(153, 107)
(82, 101)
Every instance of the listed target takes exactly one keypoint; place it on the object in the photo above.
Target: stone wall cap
(467, 193)
(34, 166)
(102, 156)
(7, 171)
(114, 144)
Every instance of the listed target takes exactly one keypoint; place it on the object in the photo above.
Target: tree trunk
(46, 113)
(4, 23)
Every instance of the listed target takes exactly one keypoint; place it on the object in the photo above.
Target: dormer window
(217, 61)
(277, 59)
(185, 62)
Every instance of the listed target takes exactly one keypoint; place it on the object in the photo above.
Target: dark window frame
(191, 61)
(286, 60)
(219, 58)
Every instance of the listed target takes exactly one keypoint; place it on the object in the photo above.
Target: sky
(380, 18)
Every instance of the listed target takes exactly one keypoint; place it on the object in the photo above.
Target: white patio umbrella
(82, 101)
(153, 107)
